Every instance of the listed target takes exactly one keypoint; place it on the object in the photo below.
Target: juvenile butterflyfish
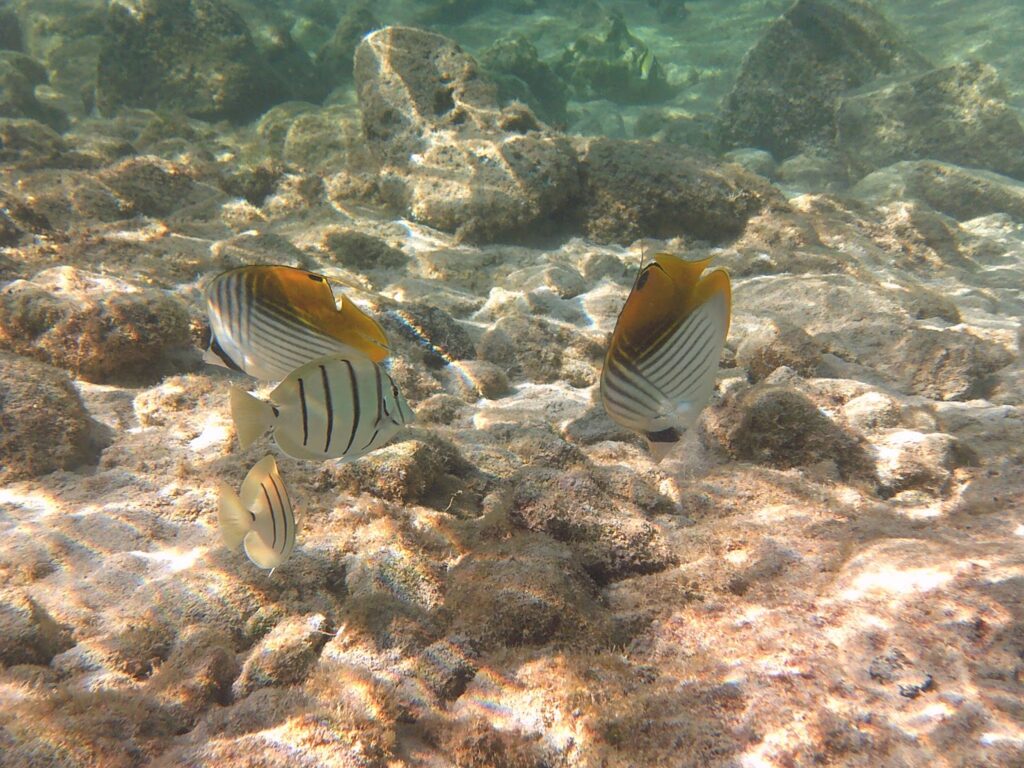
(260, 517)
(660, 368)
(339, 406)
(268, 320)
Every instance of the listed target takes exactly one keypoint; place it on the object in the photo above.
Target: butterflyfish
(268, 320)
(260, 517)
(339, 406)
(659, 371)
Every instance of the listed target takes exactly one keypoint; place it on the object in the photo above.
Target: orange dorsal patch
(665, 293)
(308, 297)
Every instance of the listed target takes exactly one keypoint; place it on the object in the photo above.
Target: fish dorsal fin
(684, 273)
(252, 491)
(309, 298)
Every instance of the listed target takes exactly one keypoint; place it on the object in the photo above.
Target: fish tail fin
(660, 443)
(234, 519)
(251, 416)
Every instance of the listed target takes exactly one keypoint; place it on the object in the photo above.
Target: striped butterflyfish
(260, 517)
(339, 406)
(660, 368)
(267, 320)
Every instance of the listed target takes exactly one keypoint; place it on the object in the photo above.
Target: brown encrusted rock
(523, 590)
(19, 76)
(957, 114)
(944, 365)
(609, 534)
(534, 348)
(197, 674)
(43, 424)
(28, 634)
(26, 143)
(787, 87)
(156, 187)
(779, 426)
(635, 189)
(405, 472)
(447, 666)
(909, 460)
(451, 158)
(962, 193)
(284, 656)
(776, 344)
(99, 328)
(358, 250)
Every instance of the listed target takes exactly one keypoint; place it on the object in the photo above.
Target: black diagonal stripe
(305, 421)
(284, 514)
(273, 520)
(380, 395)
(355, 405)
(330, 408)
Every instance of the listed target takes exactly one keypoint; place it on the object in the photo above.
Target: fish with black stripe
(339, 406)
(660, 368)
(267, 320)
(261, 517)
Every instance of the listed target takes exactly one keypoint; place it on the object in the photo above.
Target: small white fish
(261, 516)
(337, 406)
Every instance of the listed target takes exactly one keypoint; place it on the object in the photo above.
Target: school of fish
(336, 400)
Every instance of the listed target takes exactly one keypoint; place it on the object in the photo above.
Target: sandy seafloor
(829, 571)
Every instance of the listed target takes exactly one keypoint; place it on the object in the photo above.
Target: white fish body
(261, 517)
(340, 406)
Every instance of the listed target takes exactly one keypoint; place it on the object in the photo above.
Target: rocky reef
(828, 570)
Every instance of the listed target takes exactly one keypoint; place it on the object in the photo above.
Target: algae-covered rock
(777, 344)
(524, 590)
(194, 56)
(910, 460)
(44, 424)
(19, 76)
(156, 187)
(358, 250)
(284, 656)
(635, 189)
(197, 674)
(779, 426)
(452, 159)
(334, 59)
(616, 66)
(28, 634)
(516, 68)
(438, 335)
(10, 30)
(786, 90)
(957, 114)
(99, 328)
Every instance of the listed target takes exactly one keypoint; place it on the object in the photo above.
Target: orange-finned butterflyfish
(267, 320)
(660, 369)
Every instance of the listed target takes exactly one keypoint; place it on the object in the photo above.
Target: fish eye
(642, 280)
(394, 389)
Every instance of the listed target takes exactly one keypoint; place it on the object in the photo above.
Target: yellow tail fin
(251, 416)
(234, 519)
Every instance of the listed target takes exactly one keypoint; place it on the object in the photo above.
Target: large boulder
(100, 328)
(195, 56)
(957, 114)
(637, 189)
(962, 193)
(451, 158)
(786, 91)
(19, 76)
(43, 424)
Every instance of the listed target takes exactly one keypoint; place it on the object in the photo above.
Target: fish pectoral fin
(261, 554)
(252, 416)
(234, 519)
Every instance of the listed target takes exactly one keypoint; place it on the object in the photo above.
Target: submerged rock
(635, 189)
(28, 634)
(516, 68)
(451, 158)
(19, 76)
(617, 67)
(99, 328)
(957, 115)
(43, 424)
(10, 30)
(788, 84)
(910, 460)
(195, 56)
(334, 59)
(284, 656)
